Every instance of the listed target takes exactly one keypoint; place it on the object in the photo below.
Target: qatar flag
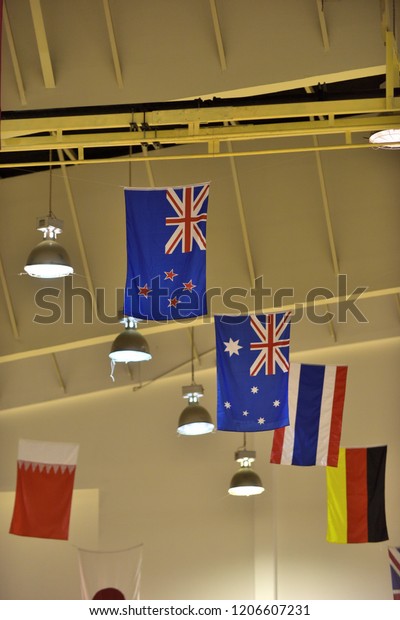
(45, 481)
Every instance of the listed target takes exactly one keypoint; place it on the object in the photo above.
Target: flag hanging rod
(157, 328)
(210, 126)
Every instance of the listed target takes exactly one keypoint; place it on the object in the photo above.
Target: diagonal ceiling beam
(242, 218)
(322, 24)
(158, 328)
(42, 45)
(77, 227)
(9, 304)
(113, 43)
(325, 203)
(385, 18)
(14, 58)
(218, 34)
(58, 373)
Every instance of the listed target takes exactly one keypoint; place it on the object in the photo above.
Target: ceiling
(272, 102)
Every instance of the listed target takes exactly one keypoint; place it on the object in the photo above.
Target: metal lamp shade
(48, 260)
(246, 482)
(195, 420)
(386, 139)
(130, 346)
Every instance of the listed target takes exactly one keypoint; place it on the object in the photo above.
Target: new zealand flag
(166, 252)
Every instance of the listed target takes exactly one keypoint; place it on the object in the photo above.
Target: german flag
(356, 496)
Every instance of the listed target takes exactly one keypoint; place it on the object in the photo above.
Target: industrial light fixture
(194, 419)
(130, 345)
(245, 482)
(386, 139)
(49, 259)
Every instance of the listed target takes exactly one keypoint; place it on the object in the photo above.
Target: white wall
(301, 564)
(170, 493)
(156, 488)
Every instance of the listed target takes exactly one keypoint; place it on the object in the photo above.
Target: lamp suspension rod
(50, 180)
(130, 156)
(192, 352)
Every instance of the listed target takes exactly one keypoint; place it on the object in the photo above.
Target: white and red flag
(111, 575)
(45, 481)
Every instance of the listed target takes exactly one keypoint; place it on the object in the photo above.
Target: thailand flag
(316, 401)
(166, 252)
(45, 481)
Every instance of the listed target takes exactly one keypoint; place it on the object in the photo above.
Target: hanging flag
(166, 252)
(394, 560)
(356, 496)
(316, 400)
(110, 575)
(45, 480)
(252, 371)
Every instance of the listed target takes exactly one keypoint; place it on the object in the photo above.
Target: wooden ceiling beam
(200, 116)
(113, 43)
(42, 44)
(322, 24)
(218, 34)
(14, 57)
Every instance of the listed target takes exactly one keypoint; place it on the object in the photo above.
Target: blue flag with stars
(252, 371)
(166, 252)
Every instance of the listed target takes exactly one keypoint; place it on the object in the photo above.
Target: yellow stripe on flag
(337, 500)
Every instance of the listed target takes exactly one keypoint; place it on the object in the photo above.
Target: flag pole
(274, 534)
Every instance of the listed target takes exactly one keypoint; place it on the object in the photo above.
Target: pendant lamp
(194, 419)
(130, 345)
(49, 259)
(245, 481)
(386, 139)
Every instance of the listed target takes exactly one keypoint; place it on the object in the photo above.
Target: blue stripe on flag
(307, 423)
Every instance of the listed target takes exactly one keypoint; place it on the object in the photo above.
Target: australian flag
(252, 371)
(166, 252)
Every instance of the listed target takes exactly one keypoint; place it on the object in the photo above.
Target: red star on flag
(189, 286)
(170, 275)
(173, 302)
(144, 290)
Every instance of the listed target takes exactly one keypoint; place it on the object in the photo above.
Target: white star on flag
(254, 389)
(261, 420)
(232, 347)
(227, 404)
(245, 413)
(276, 403)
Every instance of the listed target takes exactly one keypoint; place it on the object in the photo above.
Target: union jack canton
(252, 371)
(166, 252)
(394, 562)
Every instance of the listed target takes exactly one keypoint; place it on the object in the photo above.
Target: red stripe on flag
(277, 445)
(394, 560)
(357, 495)
(188, 219)
(337, 416)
